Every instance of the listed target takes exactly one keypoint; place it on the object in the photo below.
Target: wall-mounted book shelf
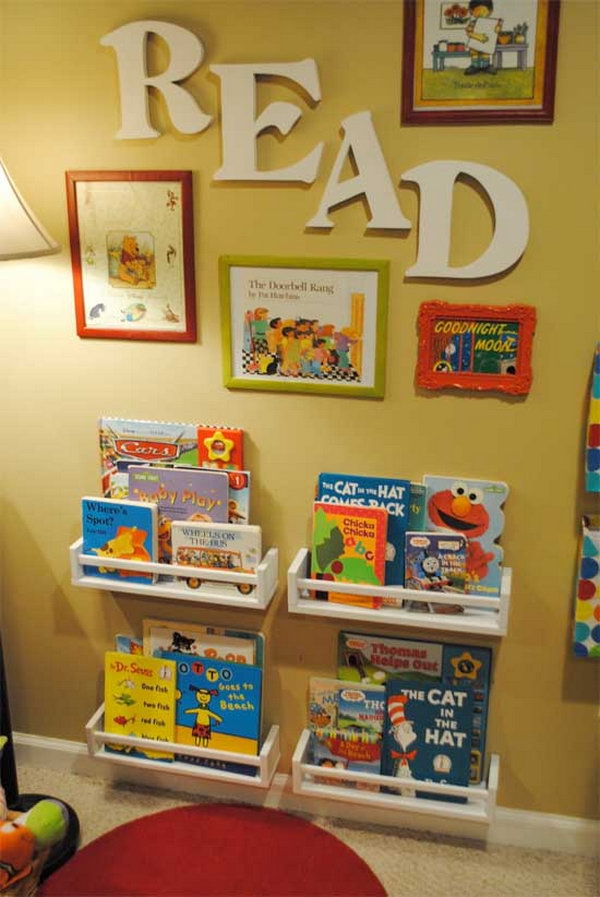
(210, 586)
(480, 799)
(262, 767)
(480, 616)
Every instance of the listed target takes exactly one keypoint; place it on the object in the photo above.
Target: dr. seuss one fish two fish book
(119, 530)
(472, 508)
(139, 700)
(348, 545)
(427, 736)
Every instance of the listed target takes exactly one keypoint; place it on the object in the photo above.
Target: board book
(232, 645)
(472, 508)
(180, 495)
(128, 644)
(393, 495)
(348, 545)
(416, 507)
(435, 562)
(427, 736)
(374, 659)
(221, 448)
(217, 546)
(119, 530)
(346, 726)
(139, 700)
(218, 704)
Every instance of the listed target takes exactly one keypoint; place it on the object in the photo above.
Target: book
(128, 644)
(374, 659)
(416, 507)
(349, 545)
(393, 495)
(472, 508)
(216, 546)
(221, 448)
(186, 494)
(435, 562)
(218, 704)
(124, 441)
(346, 725)
(233, 645)
(119, 529)
(139, 700)
(239, 496)
(427, 736)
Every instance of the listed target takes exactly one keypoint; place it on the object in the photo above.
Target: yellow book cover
(139, 700)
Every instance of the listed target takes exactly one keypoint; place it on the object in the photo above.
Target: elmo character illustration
(461, 509)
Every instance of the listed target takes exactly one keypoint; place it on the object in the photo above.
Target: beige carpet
(408, 864)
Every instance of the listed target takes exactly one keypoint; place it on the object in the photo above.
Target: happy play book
(472, 508)
(233, 645)
(375, 492)
(218, 704)
(435, 562)
(124, 441)
(119, 529)
(139, 700)
(184, 494)
(346, 725)
(427, 736)
(348, 545)
(375, 659)
(221, 448)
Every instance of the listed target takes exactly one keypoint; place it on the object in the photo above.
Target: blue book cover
(375, 492)
(427, 736)
(119, 530)
(218, 704)
(472, 508)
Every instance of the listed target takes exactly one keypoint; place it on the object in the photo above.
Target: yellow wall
(59, 110)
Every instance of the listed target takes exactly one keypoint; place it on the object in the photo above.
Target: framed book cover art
(304, 324)
(481, 61)
(132, 254)
(479, 347)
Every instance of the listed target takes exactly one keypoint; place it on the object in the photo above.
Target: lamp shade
(21, 234)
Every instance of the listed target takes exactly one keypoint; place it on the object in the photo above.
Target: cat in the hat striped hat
(404, 734)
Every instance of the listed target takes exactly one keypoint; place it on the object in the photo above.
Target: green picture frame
(310, 325)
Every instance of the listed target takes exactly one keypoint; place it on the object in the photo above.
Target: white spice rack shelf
(263, 583)
(480, 616)
(480, 803)
(265, 763)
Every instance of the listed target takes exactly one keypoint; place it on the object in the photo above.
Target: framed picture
(484, 62)
(485, 347)
(132, 253)
(304, 324)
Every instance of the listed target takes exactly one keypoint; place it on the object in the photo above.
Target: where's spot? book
(348, 545)
(427, 736)
(139, 700)
(119, 530)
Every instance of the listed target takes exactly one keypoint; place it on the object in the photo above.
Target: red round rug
(215, 850)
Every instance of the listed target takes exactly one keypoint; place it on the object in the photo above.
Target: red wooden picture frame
(148, 293)
(479, 347)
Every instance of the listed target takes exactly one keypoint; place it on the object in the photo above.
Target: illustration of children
(290, 352)
(404, 734)
(201, 730)
(274, 336)
(482, 35)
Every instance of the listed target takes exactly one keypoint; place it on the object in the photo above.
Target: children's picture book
(346, 725)
(349, 545)
(472, 508)
(124, 442)
(119, 530)
(374, 659)
(239, 496)
(375, 492)
(129, 644)
(139, 700)
(417, 507)
(216, 546)
(194, 639)
(218, 704)
(427, 736)
(435, 562)
(221, 448)
(186, 494)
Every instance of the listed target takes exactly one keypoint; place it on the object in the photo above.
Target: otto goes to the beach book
(119, 530)
(348, 545)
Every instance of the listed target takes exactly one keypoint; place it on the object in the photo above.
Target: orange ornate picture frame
(479, 347)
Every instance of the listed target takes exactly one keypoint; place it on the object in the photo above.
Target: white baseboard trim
(519, 828)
